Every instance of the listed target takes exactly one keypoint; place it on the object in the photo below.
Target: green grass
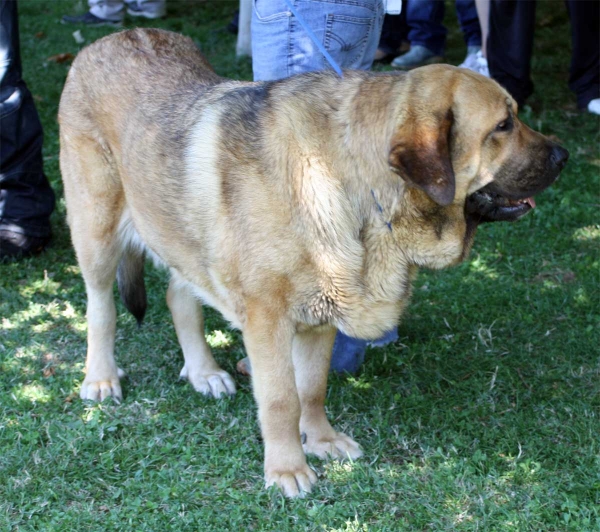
(484, 416)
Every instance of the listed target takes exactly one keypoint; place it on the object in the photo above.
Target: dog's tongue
(530, 201)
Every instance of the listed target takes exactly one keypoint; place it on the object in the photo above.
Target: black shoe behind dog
(17, 245)
(89, 19)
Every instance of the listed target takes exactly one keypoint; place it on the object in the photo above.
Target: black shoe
(17, 245)
(90, 20)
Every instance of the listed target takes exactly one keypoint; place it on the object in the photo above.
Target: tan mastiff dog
(294, 207)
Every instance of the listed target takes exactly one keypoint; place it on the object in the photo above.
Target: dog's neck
(367, 228)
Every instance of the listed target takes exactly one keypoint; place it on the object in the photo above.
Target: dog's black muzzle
(493, 203)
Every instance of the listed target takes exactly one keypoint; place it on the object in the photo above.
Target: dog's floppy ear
(421, 156)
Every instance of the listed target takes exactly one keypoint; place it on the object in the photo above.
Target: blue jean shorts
(348, 29)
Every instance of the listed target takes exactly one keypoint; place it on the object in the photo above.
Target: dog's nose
(559, 156)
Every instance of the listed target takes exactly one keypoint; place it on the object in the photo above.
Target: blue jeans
(349, 30)
(424, 19)
(349, 353)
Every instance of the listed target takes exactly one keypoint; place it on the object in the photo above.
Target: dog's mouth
(488, 206)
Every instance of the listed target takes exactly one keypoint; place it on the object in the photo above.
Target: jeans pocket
(270, 10)
(346, 38)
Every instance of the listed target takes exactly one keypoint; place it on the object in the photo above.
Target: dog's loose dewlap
(294, 207)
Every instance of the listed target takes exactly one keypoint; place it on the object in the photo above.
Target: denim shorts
(348, 29)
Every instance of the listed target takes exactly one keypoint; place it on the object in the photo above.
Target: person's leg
(107, 9)
(281, 47)
(510, 42)
(584, 79)
(483, 12)
(348, 353)
(243, 45)
(101, 13)
(270, 28)
(469, 22)
(26, 198)
(365, 62)
(426, 33)
(146, 8)
(425, 24)
(393, 33)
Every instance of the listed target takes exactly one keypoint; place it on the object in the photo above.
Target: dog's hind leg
(200, 368)
(312, 353)
(95, 202)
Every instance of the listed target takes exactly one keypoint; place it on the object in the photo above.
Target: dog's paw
(99, 389)
(339, 447)
(213, 384)
(294, 483)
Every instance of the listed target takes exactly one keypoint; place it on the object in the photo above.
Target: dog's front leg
(268, 339)
(312, 355)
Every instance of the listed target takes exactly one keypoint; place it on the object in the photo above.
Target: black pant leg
(509, 46)
(584, 79)
(393, 32)
(26, 198)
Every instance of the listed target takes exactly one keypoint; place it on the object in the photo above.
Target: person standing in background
(510, 44)
(281, 47)
(427, 35)
(26, 198)
(112, 12)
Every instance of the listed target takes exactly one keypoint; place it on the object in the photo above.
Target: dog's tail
(130, 280)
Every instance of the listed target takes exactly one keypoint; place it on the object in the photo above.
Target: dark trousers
(393, 32)
(425, 17)
(510, 42)
(26, 199)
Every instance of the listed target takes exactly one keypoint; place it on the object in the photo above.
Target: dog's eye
(505, 125)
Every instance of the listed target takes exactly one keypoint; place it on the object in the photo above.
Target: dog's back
(129, 89)
(138, 71)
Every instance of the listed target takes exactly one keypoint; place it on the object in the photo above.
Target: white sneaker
(477, 63)
(594, 106)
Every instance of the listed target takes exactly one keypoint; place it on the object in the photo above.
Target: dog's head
(459, 139)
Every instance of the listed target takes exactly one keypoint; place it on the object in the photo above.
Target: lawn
(485, 415)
